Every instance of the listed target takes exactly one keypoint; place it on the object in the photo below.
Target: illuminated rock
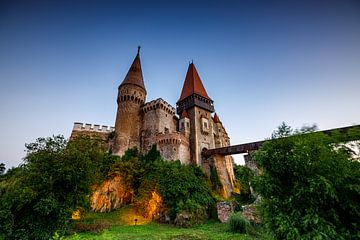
(111, 194)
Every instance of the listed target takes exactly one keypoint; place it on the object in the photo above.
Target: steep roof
(216, 118)
(134, 75)
(193, 84)
(184, 114)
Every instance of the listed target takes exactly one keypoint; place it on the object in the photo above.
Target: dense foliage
(309, 186)
(38, 197)
(182, 187)
(245, 177)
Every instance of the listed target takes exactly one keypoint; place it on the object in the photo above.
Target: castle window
(188, 124)
(182, 125)
(205, 125)
(166, 130)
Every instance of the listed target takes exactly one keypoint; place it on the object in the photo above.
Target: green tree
(309, 187)
(37, 198)
(2, 168)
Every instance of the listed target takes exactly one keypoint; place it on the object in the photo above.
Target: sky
(262, 62)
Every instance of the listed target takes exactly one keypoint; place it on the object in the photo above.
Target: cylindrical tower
(131, 97)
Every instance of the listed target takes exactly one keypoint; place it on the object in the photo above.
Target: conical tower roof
(193, 84)
(134, 75)
(216, 119)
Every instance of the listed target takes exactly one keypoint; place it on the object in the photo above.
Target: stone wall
(174, 146)
(201, 136)
(224, 210)
(159, 118)
(94, 131)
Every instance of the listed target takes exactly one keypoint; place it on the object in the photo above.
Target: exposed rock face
(224, 209)
(111, 194)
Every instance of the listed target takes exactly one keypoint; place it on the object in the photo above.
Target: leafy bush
(309, 188)
(245, 176)
(238, 223)
(184, 188)
(37, 198)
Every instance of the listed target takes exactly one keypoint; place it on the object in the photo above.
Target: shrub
(244, 176)
(183, 188)
(37, 198)
(309, 188)
(238, 223)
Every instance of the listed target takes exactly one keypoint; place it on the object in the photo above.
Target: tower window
(188, 124)
(182, 125)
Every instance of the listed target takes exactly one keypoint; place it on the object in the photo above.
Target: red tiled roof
(193, 84)
(184, 114)
(134, 75)
(216, 118)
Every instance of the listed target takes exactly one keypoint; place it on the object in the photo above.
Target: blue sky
(262, 62)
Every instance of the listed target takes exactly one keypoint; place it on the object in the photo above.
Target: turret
(131, 96)
(184, 123)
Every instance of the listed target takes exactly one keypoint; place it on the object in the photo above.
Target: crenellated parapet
(175, 138)
(92, 127)
(131, 93)
(158, 104)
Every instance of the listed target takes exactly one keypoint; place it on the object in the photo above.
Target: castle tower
(198, 106)
(131, 96)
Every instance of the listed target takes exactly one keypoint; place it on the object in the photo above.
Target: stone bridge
(220, 159)
(253, 146)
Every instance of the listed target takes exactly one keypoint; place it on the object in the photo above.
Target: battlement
(171, 138)
(158, 104)
(92, 127)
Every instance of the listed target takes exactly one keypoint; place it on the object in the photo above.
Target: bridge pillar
(250, 163)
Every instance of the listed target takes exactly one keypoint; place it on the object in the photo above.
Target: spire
(193, 84)
(134, 75)
(216, 118)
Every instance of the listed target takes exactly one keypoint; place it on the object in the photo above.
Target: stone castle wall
(160, 127)
(101, 132)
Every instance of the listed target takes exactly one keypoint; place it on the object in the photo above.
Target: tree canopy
(309, 186)
(38, 197)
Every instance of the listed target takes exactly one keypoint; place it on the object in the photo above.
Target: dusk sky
(262, 62)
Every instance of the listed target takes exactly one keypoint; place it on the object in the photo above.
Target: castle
(179, 134)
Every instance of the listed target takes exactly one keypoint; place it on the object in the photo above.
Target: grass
(121, 223)
(209, 231)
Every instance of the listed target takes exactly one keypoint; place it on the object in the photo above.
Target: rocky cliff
(113, 193)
